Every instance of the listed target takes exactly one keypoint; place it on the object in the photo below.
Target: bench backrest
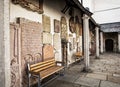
(41, 65)
(78, 54)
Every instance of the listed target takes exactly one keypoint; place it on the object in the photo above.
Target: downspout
(82, 2)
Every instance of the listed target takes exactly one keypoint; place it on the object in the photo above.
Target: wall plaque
(33, 5)
(47, 38)
(56, 41)
(72, 25)
(64, 34)
(56, 26)
(46, 23)
(14, 55)
(31, 45)
(48, 52)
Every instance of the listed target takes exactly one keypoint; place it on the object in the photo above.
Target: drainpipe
(82, 2)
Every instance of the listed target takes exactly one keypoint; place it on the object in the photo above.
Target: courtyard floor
(105, 73)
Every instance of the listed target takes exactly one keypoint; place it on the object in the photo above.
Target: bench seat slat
(37, 64)
(47, 72)
(43, 68)
(42, 65)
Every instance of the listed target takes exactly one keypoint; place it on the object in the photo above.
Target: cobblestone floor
(106, 73)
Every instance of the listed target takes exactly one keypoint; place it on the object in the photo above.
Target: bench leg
(39, 82)
(28, 80)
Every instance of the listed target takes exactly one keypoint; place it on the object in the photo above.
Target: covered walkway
(105, 73)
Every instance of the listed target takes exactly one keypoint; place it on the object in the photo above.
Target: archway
(109, 45)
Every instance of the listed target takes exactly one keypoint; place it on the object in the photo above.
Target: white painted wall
(50, 9)
(89, 4)
(53, 13)
(18, 11)
(104, 11)
(107, 11)
(107, 16)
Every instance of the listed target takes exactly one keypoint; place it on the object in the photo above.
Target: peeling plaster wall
(53, 11)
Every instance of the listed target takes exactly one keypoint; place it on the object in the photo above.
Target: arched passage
(109, 45)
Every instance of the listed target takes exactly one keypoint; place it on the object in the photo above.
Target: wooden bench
(78, 56)
(43, 69)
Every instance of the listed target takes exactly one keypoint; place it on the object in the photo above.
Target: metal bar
(39, 82)
(29, 79)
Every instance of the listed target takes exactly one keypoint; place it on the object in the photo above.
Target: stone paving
(105, 73)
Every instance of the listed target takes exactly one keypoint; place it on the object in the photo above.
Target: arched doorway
(109, 45)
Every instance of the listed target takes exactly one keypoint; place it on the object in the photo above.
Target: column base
(87, 70)
(97, 57)
(101, 52)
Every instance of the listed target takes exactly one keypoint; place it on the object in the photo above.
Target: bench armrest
(34, 73)
(59, 62)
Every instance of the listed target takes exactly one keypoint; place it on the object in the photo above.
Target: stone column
(97, 42)
(119, 42)
(86, 41)
(101, 42)
(5, 79)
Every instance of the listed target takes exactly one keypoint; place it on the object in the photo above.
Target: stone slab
(114, 79)
(58, 56)
(68, 78)
(102, 73)
(14, 68)
(64, 34)
(71, 43)
(84, 86)
(47, 38)
(46, 23)
(108, 84)
(97, 76)
(88, 81)
(48, 52)
(57, 41)
(56, 26)
(116, 75)
(31, 44)
(59, 83)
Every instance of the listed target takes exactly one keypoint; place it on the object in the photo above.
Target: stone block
(57, 41)
(46, 23)
(48, 52)
(97, 76)
(47, 38)
(114, 79)
(56, 26)
(14, 53)
(68, 78)
(87, 81)
(108, 84)
(30, 43)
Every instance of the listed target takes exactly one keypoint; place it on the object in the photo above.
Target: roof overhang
(77, 4)
(110, 27)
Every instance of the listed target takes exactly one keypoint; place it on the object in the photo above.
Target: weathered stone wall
(14, 55)
(31, 45)
(114, 37)
(26, 46)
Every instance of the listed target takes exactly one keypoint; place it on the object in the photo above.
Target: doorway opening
(109, 45)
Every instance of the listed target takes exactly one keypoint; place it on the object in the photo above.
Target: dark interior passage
(109, 45)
